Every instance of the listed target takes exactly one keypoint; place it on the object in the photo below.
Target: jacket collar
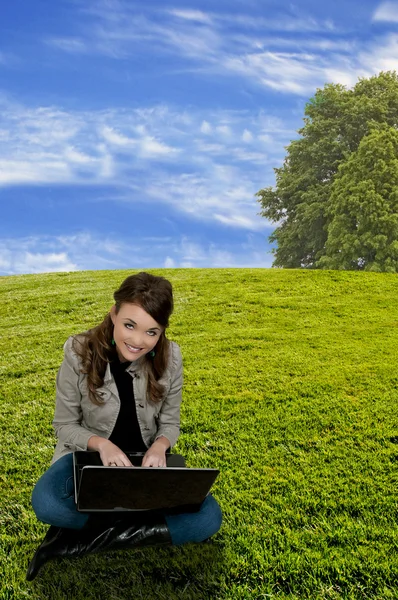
(136, 366)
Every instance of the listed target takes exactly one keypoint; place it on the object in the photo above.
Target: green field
(290, 389)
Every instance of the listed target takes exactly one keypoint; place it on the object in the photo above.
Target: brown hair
(154, 295)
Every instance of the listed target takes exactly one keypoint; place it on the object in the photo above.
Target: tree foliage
(326, 215)
(363, 207)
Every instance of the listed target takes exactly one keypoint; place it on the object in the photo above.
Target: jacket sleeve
(169, 415)
(68, 412)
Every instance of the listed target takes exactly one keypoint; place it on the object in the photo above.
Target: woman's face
(135, 332)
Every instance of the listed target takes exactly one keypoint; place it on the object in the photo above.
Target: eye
(151, 333)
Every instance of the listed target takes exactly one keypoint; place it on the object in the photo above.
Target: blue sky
(135, 135)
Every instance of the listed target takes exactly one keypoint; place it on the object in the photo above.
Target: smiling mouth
(133, 349)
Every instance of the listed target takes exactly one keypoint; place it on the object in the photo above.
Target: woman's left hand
(154, 457)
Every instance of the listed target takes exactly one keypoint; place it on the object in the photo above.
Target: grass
(290, 389)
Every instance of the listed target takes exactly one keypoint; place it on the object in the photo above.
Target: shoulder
(70, 346)
(175, 358)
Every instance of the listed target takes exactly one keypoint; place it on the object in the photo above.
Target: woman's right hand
(111, 455)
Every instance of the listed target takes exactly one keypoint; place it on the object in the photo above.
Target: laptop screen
(100, 488)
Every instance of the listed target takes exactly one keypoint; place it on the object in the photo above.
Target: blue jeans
(54, 503)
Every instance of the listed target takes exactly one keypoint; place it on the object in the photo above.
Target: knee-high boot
(99, 534)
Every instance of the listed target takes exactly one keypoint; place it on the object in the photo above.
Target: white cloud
(43, 254)
(242, 45)
(229, 202)
(348, 78)
(286, 23)
(192, 254)
(115, 138)
(192, 251)
(191, 15)
(387, 11)
(107, 169)
(74, 156)
(265, 138)
(39, 263)
(237, 221)
(206, 127)
(211, 149)
(223, 130)
(382, 56)
(247, 136)
(125, 148)
(149, 146)
(88, 251)
(43, 171)
(280, 71)
(169, 263)
(144, 146)
(242, 155)
(210, 40)
(16, 261)
(72, 45)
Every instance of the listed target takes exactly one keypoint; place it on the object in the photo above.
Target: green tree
(363, 207)
(336, 120)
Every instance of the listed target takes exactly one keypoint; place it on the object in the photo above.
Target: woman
(118, 389)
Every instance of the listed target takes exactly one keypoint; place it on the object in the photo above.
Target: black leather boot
(101, 533)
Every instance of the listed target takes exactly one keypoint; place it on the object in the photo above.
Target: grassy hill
(290, 389)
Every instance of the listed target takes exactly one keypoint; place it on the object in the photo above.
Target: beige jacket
(76, 418)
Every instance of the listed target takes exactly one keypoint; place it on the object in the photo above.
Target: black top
(126, 433)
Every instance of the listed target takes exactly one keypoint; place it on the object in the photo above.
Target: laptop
(175, 488)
